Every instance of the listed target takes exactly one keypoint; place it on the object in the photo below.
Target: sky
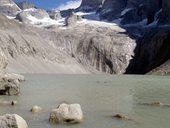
(52, 4)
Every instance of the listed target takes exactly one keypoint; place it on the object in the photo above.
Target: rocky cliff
(89, 46)
(111, 9)
(91, 5)
(8, 7)
(165, 13)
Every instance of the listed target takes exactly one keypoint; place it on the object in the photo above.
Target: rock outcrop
(165, 13)
(152, 50)
(54, 14)
(3, 61)
(72, 19)
(67, 113)
(25, 5)
(164, 69)
(90, 5)
(9, 86)
(28, 15)
(112, 9)
(12, 121)
(9, 8)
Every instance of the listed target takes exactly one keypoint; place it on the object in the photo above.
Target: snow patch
(45, 21)
(125, 11)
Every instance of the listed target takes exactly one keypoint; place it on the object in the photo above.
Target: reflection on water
(101, 97)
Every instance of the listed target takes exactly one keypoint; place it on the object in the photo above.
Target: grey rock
(152, 50)
(164, 69)
(36, 109)
(72, 19)
(9, 86)
(12, 121)
(37, 13)
(9, 8)
(3, 61)
(165, 13)
(90, 5)
(25, 5)
(66, 113)
(54, 14)
(112, 9)
(140, 10)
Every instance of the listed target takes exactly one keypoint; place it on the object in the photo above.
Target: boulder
(12, 121)
(36, 109)
(72, 19)
(66, 113)
(9, 86)
(55, 15)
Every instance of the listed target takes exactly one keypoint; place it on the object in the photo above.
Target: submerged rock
(66, 113)
(36, 109)
(12, 121)
(8, 103)
(157, 104)
(122, 117)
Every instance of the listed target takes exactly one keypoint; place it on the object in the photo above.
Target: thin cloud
(70, 5)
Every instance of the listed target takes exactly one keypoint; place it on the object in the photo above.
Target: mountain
(9, 8)
(25, 5)
(110, 36)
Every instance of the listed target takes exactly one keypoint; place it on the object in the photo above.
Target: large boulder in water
(9, 86)
(12, 121)
(67, 113)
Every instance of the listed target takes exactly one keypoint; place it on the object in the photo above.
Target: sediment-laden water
(101, 97)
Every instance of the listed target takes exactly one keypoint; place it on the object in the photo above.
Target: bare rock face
(25, 5)
(9, 86)
(12, 121)
(8, 7)
(72, 19)
(67, 113)
(89, 5)
(152, 51)
(138, 10)
(3, 61)
(165, 13)
(35, 13)
(164, 69)
(54, 14)
(112, 9)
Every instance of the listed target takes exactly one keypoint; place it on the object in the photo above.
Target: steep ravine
(152, 51)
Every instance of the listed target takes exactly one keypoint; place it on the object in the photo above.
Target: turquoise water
(101, 97)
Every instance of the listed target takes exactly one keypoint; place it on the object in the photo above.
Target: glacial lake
(101, 97)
